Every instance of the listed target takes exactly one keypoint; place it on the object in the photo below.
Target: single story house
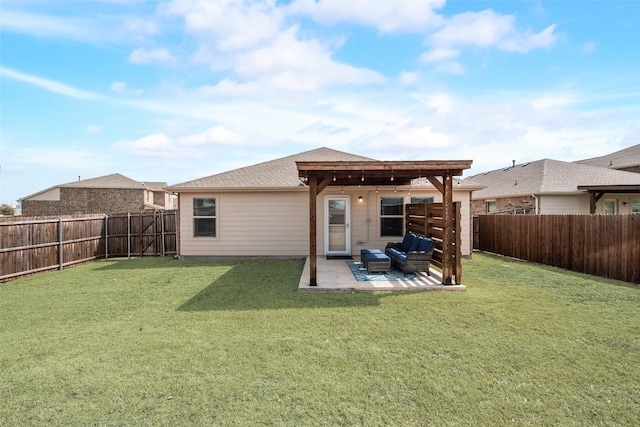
(263, 210)
(113, 193)
(555, 187)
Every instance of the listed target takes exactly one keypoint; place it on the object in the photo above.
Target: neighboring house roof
(629, 157)
(278, 173)
(547, 177)
(114, 180)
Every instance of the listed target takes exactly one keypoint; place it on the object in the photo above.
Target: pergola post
(448, 232)
(313, 200)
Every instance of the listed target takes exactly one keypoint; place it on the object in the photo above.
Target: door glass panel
(337, 225)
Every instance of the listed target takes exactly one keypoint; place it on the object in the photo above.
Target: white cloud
(485, 29)
(439, 54)
(118, 87)
(409, 77)
(50, 85)
(546, 102)
(191, 146)
(94, 129)
(212, 136)
(45, 26)
(300, 65)
(122, 88)
(387, 16)
(230, 25)
(144, 56)
(83, 27)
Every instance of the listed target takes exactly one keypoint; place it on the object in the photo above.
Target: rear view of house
(263, 210)
(113, 193)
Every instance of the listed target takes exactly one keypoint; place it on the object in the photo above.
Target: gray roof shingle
(629, 157)
(547, 177)
(276, 173)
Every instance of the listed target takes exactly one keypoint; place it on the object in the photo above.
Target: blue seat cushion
(406, 242)
(395, 253)
(363, 252)
(376, 257)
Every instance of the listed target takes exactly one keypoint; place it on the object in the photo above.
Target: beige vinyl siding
(250, 224)
(564, 204)
(623, 202)
(366, 234)
(50, 195)
(277, 223)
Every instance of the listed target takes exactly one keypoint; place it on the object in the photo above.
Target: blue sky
(178, 90)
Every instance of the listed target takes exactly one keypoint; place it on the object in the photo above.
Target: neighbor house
(264, 210)
(113, 193)
(554, 187)
(625, 160)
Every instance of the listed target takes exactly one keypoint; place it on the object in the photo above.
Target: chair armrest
(394, 245)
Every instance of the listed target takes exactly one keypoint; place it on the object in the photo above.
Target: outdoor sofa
(411, 255)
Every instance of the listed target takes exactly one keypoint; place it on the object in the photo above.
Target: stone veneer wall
(88, 201)
(478, 207)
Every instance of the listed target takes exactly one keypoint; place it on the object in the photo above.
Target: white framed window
(610, 206)
(491, 206)
(635, 205)
(205, 217)
(391, 216)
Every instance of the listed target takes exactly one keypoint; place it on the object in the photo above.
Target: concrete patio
(335, 275)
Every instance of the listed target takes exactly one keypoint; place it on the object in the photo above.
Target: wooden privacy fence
(601, 245)
(31, 245)
(427, 219)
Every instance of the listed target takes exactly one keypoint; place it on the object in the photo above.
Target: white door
(337, 235)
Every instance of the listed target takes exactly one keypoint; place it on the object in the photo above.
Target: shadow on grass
(243, 285)
(240, 289)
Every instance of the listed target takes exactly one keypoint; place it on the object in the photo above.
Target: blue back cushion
(406, 242)
(415, 244)
(425, 244)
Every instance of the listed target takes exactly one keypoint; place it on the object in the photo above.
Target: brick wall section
(87, 200)
(478, 207)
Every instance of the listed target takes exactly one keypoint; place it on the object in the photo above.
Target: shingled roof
(547, 177)
(623, 159)
(278, 173)
(114, 180)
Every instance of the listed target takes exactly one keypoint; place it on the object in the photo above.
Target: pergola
(319, 175)
(597, 191)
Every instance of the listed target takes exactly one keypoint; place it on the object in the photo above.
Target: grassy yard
(156, 341)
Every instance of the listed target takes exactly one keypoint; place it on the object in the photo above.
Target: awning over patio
(319, 175)
(597, 191)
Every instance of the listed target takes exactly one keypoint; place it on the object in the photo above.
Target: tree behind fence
(601, 245)
(31, 245)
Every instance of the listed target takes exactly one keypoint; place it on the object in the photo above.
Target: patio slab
(334, 275)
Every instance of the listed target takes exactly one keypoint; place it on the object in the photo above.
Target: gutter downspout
(536, 200)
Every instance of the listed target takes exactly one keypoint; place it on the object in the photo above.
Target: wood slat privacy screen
(30, 245)
(601, 245)
(427, 219)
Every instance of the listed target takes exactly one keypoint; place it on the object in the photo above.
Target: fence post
(162, 230)
(128, 235)
(60, 254)
(106, 236)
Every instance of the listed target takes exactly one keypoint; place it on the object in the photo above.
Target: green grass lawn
(155, 341)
